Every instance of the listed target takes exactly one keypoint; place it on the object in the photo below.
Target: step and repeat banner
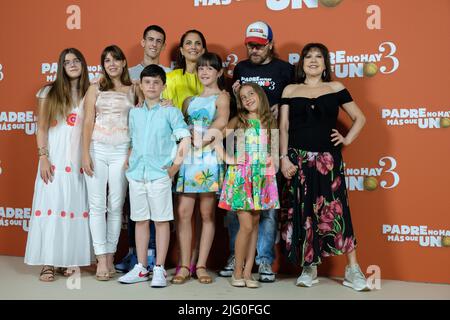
(392, 55)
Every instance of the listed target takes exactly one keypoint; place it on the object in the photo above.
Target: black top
(272, 76)
(312, 119)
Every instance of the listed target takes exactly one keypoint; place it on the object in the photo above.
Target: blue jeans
(132, 237)
(267, 232)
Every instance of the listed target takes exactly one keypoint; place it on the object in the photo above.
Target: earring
(324, 73)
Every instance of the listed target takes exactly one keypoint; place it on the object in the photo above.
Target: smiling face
(153, 44)
(113, 67)
(208, 75)
(314, 62)
(249, 99)
(72, 66)
(192, 47)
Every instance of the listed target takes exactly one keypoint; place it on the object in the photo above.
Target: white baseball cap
(259, 32)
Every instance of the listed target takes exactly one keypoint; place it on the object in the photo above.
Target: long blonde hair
(264, 114)
(58, 102)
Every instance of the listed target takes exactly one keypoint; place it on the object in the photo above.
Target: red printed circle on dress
(68, 169)
(71, 119)
(72, 215)
(49, 212)
(85, 214)
(63, 214)
(37, 213)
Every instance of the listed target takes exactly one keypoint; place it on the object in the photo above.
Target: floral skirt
(249, 187)
(200, 173)
(315, 215)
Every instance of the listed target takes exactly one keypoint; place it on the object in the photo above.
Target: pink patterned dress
(251, 184)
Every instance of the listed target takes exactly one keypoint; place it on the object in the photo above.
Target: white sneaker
(308, 277)
(159, 277)
(228, 270)
(138, 274)
(355, 279)
(265, 273)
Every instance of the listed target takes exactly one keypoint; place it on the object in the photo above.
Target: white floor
(20, 281)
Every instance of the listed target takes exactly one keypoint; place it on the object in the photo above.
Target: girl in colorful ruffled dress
(250, 183)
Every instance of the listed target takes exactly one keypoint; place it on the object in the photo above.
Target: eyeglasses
(70, 62)
(258, 47)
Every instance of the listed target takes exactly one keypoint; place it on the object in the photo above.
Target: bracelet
(42, 151)
(283, 156)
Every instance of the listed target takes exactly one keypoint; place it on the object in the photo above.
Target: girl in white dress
(59, 227)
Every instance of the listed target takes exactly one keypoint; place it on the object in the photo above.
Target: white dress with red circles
(59, 232)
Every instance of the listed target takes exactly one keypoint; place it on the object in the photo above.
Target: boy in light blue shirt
(155, 158)
(153, 42)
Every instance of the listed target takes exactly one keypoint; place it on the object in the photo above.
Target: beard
(258, 59)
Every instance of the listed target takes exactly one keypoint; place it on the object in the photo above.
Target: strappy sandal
(70, 271)
(203, 279)
(180, 279)
(66, 272)
(102, 276)
(47, 274)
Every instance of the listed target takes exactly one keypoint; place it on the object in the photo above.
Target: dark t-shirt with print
(272, 77)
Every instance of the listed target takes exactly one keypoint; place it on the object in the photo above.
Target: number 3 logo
(390, 170)
(395, 62)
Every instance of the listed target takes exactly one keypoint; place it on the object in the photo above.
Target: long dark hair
(106, 82)
(326, 75)
(181, 60)
(58, 102)
(212, 59)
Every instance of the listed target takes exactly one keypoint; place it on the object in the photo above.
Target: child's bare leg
(242, 241)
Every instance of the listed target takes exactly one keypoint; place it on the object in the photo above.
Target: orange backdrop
(401, 226)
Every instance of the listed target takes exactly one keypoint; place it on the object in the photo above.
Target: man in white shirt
(153, 42)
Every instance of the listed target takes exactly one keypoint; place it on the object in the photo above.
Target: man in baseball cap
(258, 32)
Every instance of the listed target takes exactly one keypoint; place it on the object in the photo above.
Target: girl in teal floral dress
(250, 183)
(201, 174)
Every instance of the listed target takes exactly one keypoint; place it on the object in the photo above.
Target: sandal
(47, 274)
(180, 279)
(203, 279)
(66, 272)
(104, 276)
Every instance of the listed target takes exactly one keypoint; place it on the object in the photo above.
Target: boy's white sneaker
(138, 274)
(159, 277)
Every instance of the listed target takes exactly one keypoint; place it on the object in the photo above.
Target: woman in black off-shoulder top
(315, 212)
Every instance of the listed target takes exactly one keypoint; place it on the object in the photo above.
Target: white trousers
(109, 171)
